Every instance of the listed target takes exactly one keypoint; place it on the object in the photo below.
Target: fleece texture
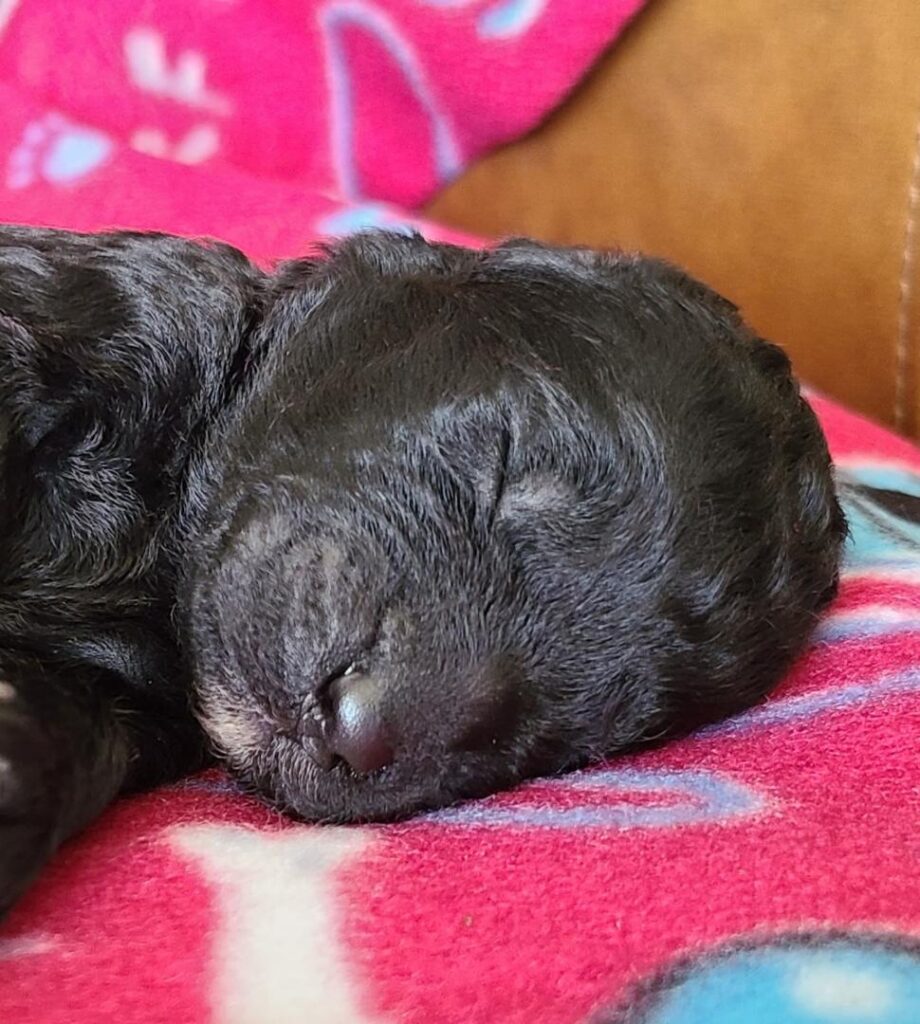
(269, 122)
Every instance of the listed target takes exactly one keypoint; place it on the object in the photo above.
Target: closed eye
(499, 478)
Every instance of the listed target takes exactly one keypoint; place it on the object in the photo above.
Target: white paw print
(183, 79)
(195, 147)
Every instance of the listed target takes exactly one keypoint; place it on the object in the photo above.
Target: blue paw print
(362, 217)
(503, 19)
(798, 981)
(509, 18)
(55, 150)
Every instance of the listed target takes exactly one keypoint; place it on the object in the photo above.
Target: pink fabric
(268, 219)
(369, 100)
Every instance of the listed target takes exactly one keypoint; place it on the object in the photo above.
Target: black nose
(348, 723)
(357, 730)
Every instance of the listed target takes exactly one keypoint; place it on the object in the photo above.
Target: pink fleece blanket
(764, 871)
(301, 117)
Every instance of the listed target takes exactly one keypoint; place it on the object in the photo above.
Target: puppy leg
(65, 752)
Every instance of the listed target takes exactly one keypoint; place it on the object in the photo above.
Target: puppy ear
(294, 275)
(294, 289)
(28, 412)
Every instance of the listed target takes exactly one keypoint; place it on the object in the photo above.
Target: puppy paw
(29, 800)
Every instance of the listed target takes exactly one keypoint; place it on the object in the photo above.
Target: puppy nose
(357, 731)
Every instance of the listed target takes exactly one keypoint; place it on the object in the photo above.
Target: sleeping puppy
(398, 525)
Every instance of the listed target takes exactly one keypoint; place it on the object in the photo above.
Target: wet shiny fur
(398, 525)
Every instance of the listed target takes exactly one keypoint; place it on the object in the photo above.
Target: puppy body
(410, 522)
(117, 353)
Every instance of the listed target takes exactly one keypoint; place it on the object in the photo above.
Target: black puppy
(402, 524)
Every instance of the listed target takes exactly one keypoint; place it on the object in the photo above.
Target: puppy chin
(290, 781)
(285, 776)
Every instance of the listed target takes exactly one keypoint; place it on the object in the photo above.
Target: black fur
(542, 505)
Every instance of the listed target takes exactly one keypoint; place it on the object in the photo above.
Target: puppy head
(488, 515)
